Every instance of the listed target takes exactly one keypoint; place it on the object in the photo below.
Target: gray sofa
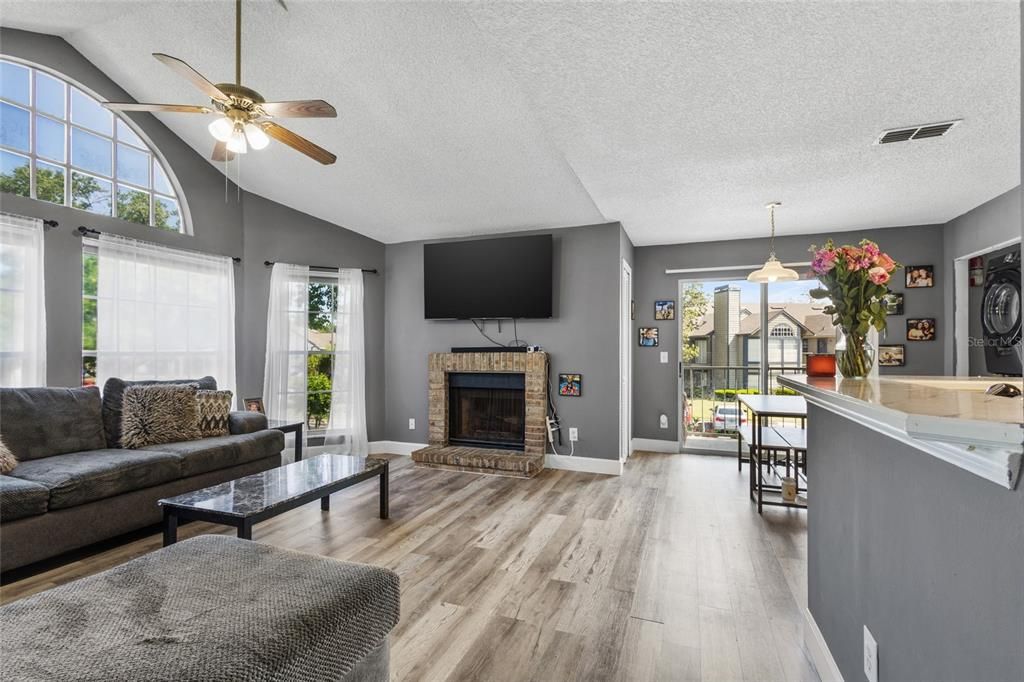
(74, 485)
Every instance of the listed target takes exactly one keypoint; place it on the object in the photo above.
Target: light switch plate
(412, 423)
(870, 656)
(664, 357)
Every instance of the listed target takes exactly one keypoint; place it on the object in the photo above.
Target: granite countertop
(951, 417)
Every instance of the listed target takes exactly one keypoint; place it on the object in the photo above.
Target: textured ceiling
(679, 119)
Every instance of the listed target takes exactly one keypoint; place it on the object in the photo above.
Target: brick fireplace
(487, 412)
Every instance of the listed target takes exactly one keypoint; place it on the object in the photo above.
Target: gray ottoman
(209, 608)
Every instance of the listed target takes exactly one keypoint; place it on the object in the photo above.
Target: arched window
(782, 330)
(58, 144)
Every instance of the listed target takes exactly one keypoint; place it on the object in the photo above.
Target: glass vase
(855, 356)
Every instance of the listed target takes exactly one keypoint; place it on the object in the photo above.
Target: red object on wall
(821, 365)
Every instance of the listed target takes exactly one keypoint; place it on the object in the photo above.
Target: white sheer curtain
(284, 376)
(292, 346)
(22, 302)
(347, 424)
(164, 313)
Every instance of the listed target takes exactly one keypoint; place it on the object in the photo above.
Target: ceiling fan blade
(299, 143)
(187, 72)
(139, 106)
(221, 153)
(303, 108)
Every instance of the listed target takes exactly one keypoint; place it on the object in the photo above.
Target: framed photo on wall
(648, 337)
(570, 385)
(921, 329)
(920, 276)
(892, 356)
(894, 303)
(664, 310)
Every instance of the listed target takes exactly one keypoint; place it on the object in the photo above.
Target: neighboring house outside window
(58, 144)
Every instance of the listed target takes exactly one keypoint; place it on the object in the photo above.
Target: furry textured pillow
(214, 407)
(155, 414)
(7, 459)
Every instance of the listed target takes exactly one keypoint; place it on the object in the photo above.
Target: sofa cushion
(213, 408)
(151, 415)
(79, 477)
(19, 498)
(40, 422)
(113, 398)
(210, 454)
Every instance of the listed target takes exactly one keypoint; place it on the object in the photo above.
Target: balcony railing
(706, 388)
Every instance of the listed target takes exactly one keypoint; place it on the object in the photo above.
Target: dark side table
(285, 426)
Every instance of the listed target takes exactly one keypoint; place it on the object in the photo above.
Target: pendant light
(773, 270)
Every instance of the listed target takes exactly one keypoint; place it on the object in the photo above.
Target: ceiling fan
(243, 116)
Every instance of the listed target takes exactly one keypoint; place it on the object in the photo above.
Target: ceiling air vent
(917, 132)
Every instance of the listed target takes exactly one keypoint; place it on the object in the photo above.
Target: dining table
(763, 409)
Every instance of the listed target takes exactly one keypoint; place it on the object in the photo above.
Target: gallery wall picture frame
(648, 337)
(921, 329)
(664, 310)
(892, 355)
(570, 385)
(920, 276)
(893, 303)
(254, 405)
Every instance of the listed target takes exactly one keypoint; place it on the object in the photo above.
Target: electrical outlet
(870, 656)
(412, 424)
(663, 421)
(574, 434)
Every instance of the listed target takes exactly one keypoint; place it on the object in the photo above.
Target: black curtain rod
(372, 271)
(83, 230)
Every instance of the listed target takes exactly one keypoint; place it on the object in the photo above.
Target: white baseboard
(653, 445)
(394, 447)
(591, 465)
(821, 657)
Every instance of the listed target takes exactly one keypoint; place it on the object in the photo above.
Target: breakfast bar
(915, 525)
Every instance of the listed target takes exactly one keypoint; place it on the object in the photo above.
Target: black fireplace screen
(487, 410)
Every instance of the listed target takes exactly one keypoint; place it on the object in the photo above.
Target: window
(58, 144)
(90, 280)
(321, 349)
(782, 330)
(22, 304)
(822, 345)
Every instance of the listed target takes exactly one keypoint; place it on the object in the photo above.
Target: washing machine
(1001, 313)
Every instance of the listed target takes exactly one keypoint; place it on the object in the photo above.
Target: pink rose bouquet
(855, 279)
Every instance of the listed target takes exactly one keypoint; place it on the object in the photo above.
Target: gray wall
(927, 555)
(253, 228)
(994, 222)
(580, 337)
(655, 385)
(277, 233)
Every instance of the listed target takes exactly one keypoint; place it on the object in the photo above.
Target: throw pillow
(7, 459)
(113, 395)
(155, 414)
(214, 407)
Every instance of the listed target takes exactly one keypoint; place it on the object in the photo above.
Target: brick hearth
(534, 366)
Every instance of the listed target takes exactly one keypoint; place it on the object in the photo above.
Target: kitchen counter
(951, 418)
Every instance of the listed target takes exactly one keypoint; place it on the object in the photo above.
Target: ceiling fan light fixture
(221, 129)
(256, 137)
(236, 143)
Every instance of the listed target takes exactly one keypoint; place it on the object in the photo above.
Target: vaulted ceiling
(681, 120)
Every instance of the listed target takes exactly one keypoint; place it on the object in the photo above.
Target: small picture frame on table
(254, 405)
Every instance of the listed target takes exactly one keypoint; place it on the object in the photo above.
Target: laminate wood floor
(664, 573)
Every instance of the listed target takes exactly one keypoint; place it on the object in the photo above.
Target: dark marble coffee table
(246, 501)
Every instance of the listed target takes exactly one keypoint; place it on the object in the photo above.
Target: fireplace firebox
(487, 410)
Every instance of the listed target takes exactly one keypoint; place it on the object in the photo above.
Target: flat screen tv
(488, 278)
